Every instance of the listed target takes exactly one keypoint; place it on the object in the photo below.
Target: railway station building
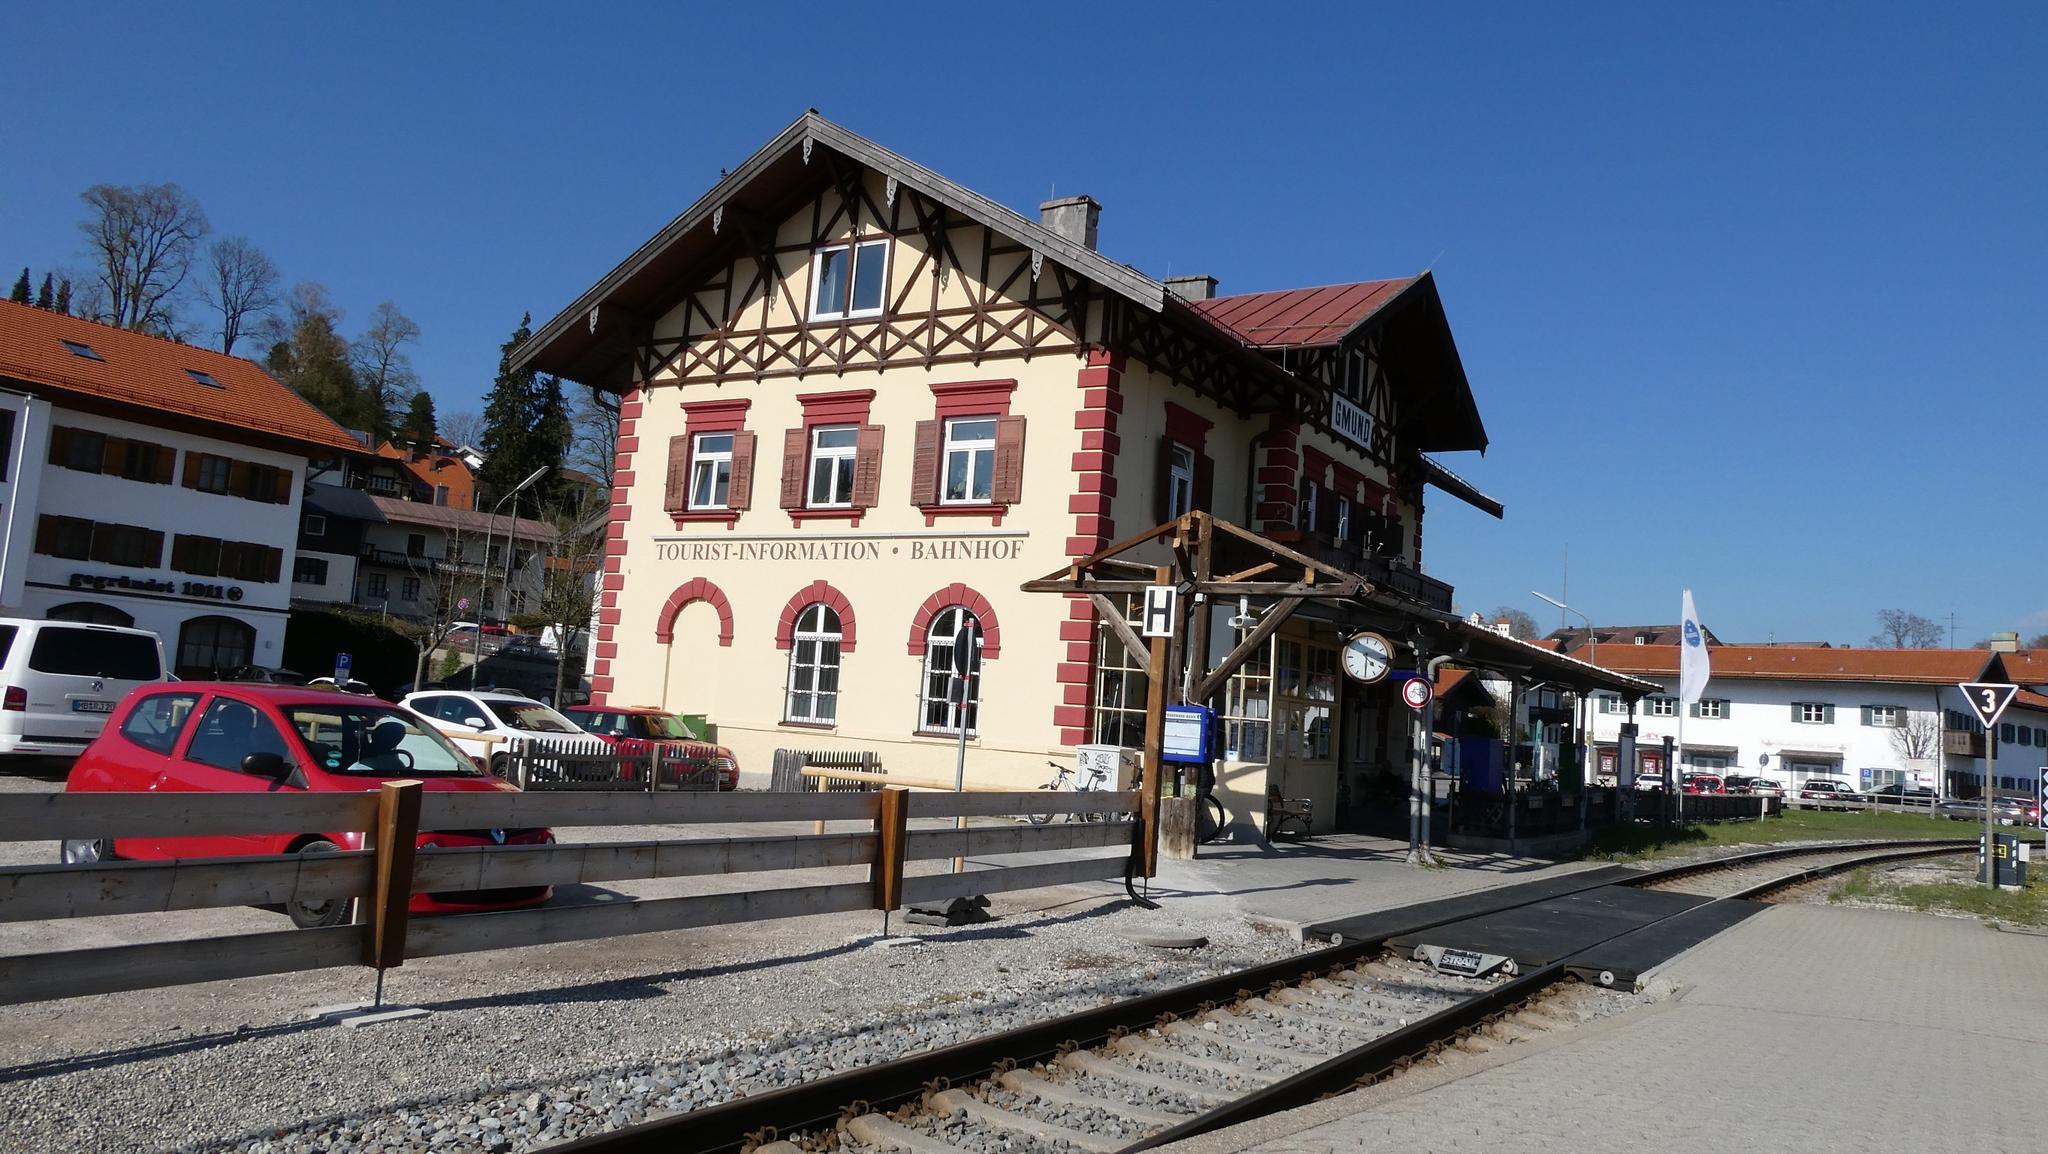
(862, 405)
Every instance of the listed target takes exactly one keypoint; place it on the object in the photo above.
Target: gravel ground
(535, 1045)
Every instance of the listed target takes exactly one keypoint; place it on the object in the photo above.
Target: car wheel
(90, 851)
(501, 765)
(313, 915)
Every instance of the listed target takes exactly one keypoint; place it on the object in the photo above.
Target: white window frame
(1180, 479)
(972, 448)
(316, 525)
(1306, 506)
(831, 457)
(817, 627)
(1713, 709)
(1884, 717)
(1813, 713)
(1612, 703)
(852, 251)
(1343, 519)
(936, 690)
(715, 461)
(1660, 705)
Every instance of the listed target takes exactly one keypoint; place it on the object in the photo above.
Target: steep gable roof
(135, 371)
(1777, 663)
(1294, 318)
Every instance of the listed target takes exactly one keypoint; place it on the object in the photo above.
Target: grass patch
(1630, 843)
(2027, 907)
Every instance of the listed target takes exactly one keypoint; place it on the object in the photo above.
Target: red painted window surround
(1315, 464)
(849, 407)
(974, 398)
(970, 399)
(1184, 427)
(725, 415)
(846, 407)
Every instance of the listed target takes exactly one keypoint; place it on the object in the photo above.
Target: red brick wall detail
(809, 595)
(968, 599)
(1096, 417)
(615, 546)
(689, 592)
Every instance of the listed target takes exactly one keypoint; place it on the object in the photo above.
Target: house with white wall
(151, 483)
(1869, 717)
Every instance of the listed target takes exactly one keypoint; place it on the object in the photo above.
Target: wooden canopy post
(1154, 753)
(397, 837)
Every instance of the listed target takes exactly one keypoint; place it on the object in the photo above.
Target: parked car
(1703, 783)
(1650, 782)
(634, 728)
(2018, 811)
(239, 737)
(1826, 789)
(1764, 787)
(266, 674)
(360, 688)
(61, 680)
(485, 723)
(1896, 794)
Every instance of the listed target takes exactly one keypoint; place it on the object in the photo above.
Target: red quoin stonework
(615, 548)
(809, 595)
(1101, 383)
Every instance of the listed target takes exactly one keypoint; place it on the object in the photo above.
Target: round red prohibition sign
(1416, 692)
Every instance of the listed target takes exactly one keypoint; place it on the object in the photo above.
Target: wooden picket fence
(381, 878)
(598, 765)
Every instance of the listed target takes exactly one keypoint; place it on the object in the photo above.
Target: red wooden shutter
(60, 445)
(238, 478)
(273, 563)
(191, 467)
(281, 487)
(867, 468)
(676, 496)
(114, 456)
(924, 464)
(740, 490)
(1162, 484)
(166, 464)
(794, 442)
(1008, 485)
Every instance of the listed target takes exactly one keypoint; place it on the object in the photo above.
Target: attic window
(83, 350)
(204, 379)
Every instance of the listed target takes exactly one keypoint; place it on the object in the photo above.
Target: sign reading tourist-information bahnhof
(1005, 548)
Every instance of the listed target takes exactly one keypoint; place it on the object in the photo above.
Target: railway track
(1152, 1070)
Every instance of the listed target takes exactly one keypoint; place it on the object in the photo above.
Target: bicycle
(1066, 779)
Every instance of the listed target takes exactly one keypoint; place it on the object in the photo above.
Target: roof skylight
(204, 379)
(79, 349)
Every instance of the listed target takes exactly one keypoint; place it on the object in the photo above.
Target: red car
(633, 728)
(239, 737)
(1703, 783)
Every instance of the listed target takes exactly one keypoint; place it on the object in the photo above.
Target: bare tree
(594, 446)
(1521, 626)
(568, 593)
(1918, 736)
(240, 284)
(2038, 641)
(141, 238)
(1898, 629)
(462, 428)
(444, 591)
(383, 367)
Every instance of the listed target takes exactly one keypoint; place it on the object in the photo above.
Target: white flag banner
(1693, 670)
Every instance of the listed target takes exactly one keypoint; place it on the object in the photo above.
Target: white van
(60, 679)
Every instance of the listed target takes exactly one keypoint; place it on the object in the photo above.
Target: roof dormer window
(81, 349)
(204, 379)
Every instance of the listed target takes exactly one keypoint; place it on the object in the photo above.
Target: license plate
(88, 705)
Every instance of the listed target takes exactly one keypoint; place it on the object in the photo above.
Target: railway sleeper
(1082, 1062)
(879, 1132)
(1059, 1094)
(953, 1102)
(1146, 1048)
(1302, 1055)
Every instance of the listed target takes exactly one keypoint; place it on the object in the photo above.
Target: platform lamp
(483, 581)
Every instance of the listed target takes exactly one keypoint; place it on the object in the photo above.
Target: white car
(61, 679)
(485, 724)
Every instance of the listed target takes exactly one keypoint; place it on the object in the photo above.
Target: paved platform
(1803, 1028)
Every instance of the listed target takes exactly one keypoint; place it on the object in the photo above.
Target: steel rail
(734, 1126)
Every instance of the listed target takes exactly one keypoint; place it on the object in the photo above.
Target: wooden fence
(592, 764)
(383, 877)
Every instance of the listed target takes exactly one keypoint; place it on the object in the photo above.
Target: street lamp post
(1586, 755)
(483, 579)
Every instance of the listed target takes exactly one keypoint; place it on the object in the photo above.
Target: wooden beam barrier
(886, 779)
(61, 816)
(940, 887)
(511, 866)
(111, 969)
(890, 824)
(531, 810)
(30, 893)
(1021, 802)
(397, 834)
(997, 840)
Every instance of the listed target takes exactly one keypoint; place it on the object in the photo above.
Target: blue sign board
(1186, 735)
(342, 664)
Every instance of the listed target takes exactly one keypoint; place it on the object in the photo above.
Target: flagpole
(1678, 771)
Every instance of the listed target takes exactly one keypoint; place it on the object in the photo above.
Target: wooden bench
(1288, 817)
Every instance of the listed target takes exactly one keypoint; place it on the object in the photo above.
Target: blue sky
(1752, 297)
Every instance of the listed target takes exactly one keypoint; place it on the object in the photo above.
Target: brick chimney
(1073, 217)
(1191, 288)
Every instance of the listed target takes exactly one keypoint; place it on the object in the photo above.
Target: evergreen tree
(511, 411)
(552, 434)
(44, 299)
(20, 294)
(309, 355)
(63, 302)
(419, 421)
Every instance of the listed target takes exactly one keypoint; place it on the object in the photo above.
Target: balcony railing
(1386, 574)
(401, 560)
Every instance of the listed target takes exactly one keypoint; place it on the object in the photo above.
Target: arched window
(90, 613)
(814, 667)
(939, 710)
(210, 646)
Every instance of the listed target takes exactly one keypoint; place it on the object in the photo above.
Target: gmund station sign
(846, 549)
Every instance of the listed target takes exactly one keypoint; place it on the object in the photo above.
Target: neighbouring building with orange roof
(151, 483)
(1868, 717)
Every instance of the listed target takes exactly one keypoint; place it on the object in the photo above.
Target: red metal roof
(1920, 666)
(139, 370)
(1293, 318)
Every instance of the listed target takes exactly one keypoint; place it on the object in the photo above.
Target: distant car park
(1904, 795)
